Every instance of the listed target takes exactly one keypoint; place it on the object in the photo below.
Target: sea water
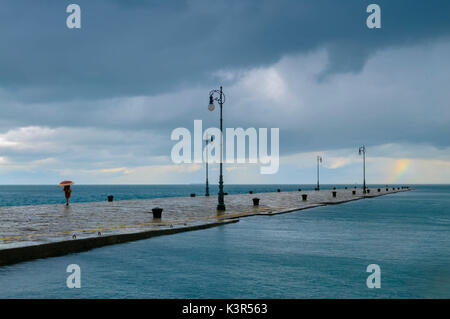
(315, 253)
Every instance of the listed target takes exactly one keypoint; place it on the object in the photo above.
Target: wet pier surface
(26, 226)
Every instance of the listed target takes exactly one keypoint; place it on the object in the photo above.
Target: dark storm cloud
(128, 48)
(109, 95)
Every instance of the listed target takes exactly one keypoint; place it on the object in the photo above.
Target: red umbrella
(65, 183)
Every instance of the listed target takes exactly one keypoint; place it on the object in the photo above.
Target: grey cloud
(148, 47)
(399, 97)
(136, 70)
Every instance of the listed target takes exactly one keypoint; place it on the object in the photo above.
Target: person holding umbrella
(66, 189)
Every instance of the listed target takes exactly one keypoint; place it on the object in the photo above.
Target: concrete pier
(28, 232)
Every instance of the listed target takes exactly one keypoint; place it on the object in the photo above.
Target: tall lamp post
(207, 183)
(319, 160)
(221, 99)
(362, 151)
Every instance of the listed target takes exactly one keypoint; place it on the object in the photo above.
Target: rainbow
(400, 167)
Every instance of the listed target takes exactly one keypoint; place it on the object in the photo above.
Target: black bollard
(379, 190)
(299, 189)
(334, 194)
(250, 192)
(368, 191)
(353, 192)
(157, 212)
(110, 198)
(255, 201)
(304, 196)
(278, 190)
(193, 195)
(334, 187)
(387, 189)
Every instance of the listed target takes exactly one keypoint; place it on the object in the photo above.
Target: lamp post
(362, 150)
(221, 99)
(319, 160)
(207, 183)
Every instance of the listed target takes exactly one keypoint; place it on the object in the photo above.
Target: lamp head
(211, 104)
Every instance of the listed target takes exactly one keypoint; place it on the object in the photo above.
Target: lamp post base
(221, 207)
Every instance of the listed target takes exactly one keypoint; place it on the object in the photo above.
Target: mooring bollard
(353, 192)
(387, 189)
(334, 194)
(379, 190)
(110, 198)
(250, 192)
(278, 190)
(304, 196)
(368, 191)
(255, 201)
(299, 189)
(157, 212)
(193, 195)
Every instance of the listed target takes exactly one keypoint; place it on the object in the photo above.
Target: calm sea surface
(315, 253)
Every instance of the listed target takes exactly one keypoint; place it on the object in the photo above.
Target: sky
(97, 105)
